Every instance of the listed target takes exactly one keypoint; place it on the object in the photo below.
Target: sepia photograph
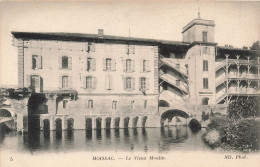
(130, 83)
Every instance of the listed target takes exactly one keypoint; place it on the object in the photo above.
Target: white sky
(237, 23)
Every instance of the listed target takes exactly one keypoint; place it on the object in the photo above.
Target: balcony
(243, 91)
(243, 76)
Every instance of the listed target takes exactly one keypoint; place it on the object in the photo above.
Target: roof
(92, 38)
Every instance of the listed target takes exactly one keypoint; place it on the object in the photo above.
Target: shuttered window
(130, 49)
(91, 64)
(89, 82)
(205, 65)
(129, 83)
(143, 83)
(114, 105)
(144, 66)
(109, 82)
(205, 36)
(109, 64)
(36, 62)
(129, 65)
(205, 83)
(65, 82)
(90, 104)
(65, 62)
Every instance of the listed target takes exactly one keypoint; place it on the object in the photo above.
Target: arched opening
(108, 123)
(58, 124)
(117, 121)
(88, 123)
(135, 120)
(46, 125)
(169, 114)
(163, 103)
(126, 122)
(194, 125)
(5, 113)
(70, 124)
(205, 101)
(144, 119)
(98, 123)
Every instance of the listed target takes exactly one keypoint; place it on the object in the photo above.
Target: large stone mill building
(102, 81)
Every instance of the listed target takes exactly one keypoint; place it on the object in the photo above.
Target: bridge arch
(6, 113)
(170, 113)
(163, 103)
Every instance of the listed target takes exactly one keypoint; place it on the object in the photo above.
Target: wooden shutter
(104, 64)
(133, 49)
(60, 62)
(60, 82)
(124, 83)
(86, 63)
(84, 82)
(107, 82)
(94, 82)
(147, 83)
(93, 64)
(124, 65)
(28, 81)
(141, 65)
(140, 83)
(208, 50)
(133, 65)
(111, 82)
(40, 62)
(133, 83)
(127, 49)
(70, 62)
(113, 64)
(70, 82)
(147, 66)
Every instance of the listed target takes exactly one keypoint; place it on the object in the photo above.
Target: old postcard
(129, 83)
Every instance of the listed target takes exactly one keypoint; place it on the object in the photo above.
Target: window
(130, 49)
(114, 105)
(91, 47)
(109, 82)
(33, 62)
(65, 103)
(143, 84)
(65, 82)
(88, 64)
(205, 65)
(108, 64)
(35, 82)
(133, 104)
(144, 65)
(89, 82)
(128, 65)
(205, 50)
(205, 83)
(65, 62)
(36, 62)
(128, 83)
(145, 104)
(90, 103)
(204, 36)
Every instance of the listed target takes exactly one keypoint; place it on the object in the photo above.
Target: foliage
(256, 46)
(241, 135)
(243, 108)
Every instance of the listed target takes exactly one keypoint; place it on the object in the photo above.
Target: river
(160, 140)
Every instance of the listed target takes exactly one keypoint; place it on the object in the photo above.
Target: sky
(237, 23)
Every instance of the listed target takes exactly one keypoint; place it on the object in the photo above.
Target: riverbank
(233, 135)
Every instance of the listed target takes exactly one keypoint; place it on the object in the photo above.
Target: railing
(220, 80)
(244, 90)
(220, 64)
(172, 81)
(220, 96)
(174, 99)
(243, 76)
(239, 61)
(170, 62)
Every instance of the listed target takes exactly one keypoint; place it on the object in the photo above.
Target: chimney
(100, 33)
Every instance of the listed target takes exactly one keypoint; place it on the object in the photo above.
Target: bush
(241, 135)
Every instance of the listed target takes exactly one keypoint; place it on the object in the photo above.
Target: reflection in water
(136, 139)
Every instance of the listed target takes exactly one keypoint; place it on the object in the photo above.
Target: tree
(243, 108)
